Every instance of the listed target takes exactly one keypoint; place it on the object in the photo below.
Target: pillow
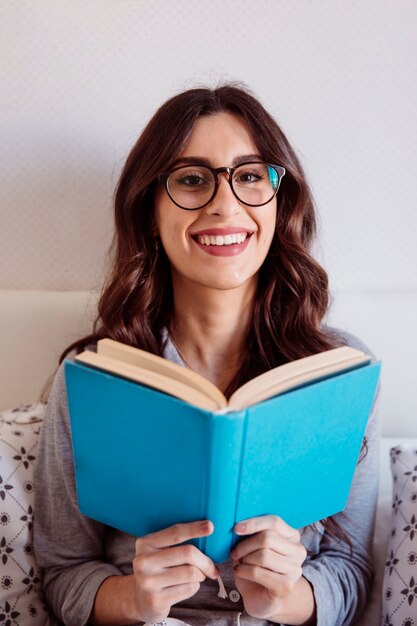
(21, 599)
(372, 613)
(399, 592)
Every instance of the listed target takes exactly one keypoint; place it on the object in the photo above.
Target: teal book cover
(145, 460)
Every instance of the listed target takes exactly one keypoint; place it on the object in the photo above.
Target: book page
(149, 378)
(295, 373)
(159, 365)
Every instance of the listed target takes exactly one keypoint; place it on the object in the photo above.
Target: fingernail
(240, 527)
(216, 574)
(204, 526)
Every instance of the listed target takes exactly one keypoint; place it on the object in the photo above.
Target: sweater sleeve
(69, 547)
(341, 578)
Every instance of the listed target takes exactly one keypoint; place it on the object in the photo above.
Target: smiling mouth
(222, 240)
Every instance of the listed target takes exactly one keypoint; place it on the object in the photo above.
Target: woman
(212, 269)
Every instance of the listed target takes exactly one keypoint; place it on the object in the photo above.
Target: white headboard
(385, 321)
(35, 327)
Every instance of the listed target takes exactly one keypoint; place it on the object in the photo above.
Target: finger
(268, 559)
(177, 593)
(270, 540)
(181, 575)
(176, 534)
(266, 522)
(275, 582)
(190, 555)
(153, 562)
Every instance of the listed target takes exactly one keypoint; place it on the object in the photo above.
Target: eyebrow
(191, 160)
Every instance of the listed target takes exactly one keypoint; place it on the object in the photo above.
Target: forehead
(220, 138)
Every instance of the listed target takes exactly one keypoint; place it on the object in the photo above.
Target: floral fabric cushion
(399, 600)
(20, 595)
(169, 621)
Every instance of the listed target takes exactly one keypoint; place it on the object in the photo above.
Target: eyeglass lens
(193, 186)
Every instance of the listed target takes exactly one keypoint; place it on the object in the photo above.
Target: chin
(224, 283)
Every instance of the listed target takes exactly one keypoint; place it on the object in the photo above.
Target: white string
(222, 590)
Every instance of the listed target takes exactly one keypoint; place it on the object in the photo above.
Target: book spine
(223, 472)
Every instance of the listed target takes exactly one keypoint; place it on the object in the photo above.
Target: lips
(222, 236)
(221, 240)
(231, 230)
(230, 244)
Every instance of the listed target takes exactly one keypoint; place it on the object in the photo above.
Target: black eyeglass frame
(280, 171)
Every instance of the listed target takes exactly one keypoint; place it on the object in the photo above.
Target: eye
(191, 180)
(249, 175)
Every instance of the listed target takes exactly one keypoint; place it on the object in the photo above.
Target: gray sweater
(77, 554)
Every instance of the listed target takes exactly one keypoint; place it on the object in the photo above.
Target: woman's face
(222, 140)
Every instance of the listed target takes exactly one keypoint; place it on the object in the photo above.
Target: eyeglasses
(192, 187)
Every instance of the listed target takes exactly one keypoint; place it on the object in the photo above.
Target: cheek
(173, 233)
(165, 221)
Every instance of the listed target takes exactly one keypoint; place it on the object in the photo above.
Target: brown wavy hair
(136, 301)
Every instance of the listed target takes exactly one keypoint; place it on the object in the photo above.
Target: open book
(155, 444)
(155, 371)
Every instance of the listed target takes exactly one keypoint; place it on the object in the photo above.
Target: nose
(224, 202)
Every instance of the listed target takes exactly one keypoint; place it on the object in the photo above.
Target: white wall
(79, 79)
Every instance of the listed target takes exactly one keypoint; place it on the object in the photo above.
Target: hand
(267, 565)
(165, 575)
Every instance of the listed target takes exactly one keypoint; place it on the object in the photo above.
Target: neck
(209, 328)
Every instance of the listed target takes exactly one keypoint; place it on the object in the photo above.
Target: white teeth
(220, 240)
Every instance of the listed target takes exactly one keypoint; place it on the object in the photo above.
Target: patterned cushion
(169, 621)
(399, 601)
(20, 597)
